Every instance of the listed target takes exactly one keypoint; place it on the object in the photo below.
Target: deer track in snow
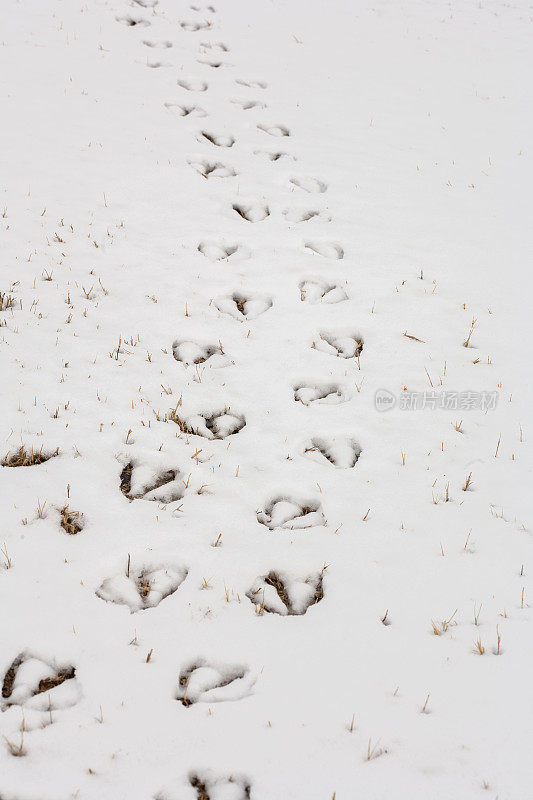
(218, 140)
(311, 185)
(219, 251)
(36, 683)
(251, 212)
(217, 425)
(195, 353)
(340, 451)
(243, 307)
(212, 169)
(202, 682)
(318, 291)
(325, 249)
(142, 482)
(142, 588)
(321, 394)
(281, 593)
(286, 513)
(186, 111)
(342, 344)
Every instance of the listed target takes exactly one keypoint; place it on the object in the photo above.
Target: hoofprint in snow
(265, 521)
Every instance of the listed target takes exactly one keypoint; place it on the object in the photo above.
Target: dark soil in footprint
(27, 458)
(71, 521)
(230, 788)
(282, 594)
(286, 513)
(205, 683)
(140, 589)
(219, 425)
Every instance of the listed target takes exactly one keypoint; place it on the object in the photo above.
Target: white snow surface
(256, 216)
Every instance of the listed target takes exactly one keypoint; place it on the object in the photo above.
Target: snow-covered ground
(265, 323)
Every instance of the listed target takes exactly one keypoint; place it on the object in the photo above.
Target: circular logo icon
(384, 400)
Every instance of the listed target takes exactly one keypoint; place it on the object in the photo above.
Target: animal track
(208, 787)
(326, 249)
(311, 185)
(205, 683)
(157, 64)
(163, 45)
(247, 105)
(274, 156)
(343, 345)
(316, 291)
(218, 425)
(194, 353)
(138, 481)
(35, 683)
(187, 111)
(282, 512)
(216, 252)
(203, 8)
(193, 26)
(243, 308)
(252, 213)
(321, 394)
(131, 22)
(251, 84)
(275, 130)
(142, 588)
(215, 46)
(212, 169)
(27, 458)
(280, 593)
(216, 139)
(293, 215)
(193, 84)
(211, 63)
(341, 452)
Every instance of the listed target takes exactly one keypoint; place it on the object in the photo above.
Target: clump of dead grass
(71, 521)
(27, 458)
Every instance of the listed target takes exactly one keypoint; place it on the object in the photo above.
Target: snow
(264, 308)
